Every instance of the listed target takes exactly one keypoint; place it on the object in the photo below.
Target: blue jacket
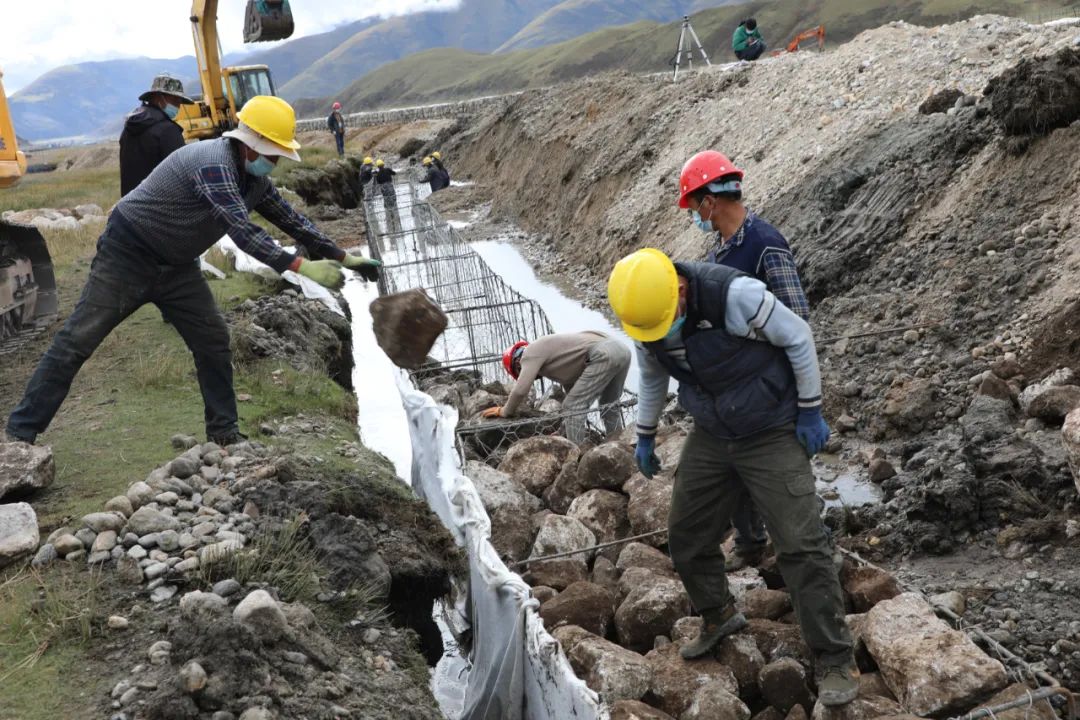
(732, 386)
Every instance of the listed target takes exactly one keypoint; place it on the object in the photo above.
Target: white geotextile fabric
(246, 263)
(519, 671)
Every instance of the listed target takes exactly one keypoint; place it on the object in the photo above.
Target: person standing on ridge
(149, 253)
(741, 240)
(150, 133)
(336, 124)
(748, 375)
(589, 365)
(747, 41)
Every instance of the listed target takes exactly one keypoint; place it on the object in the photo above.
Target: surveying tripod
(686, 49)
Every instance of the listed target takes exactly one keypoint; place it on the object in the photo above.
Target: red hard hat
(337, 106)
(508, 357)
(701, 170)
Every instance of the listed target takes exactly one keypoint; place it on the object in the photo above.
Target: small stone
(97, 558)
(163, 593)
(129, 697)
(120, 688)
(168, 540)
(258, 713)
(184, 467)
(371, 636)
(183, 442)
(147, 520)
(192, 677)
(167, 498)
(137, 552)
(104, 542)
(159, 652)
(46, 555)
(67, 544)
(881, 470)
(154, 570)
(263, 614)
(187, 565)
(102, 521)
(911, 336)
(226, 587)
(120, 504)
(129, 571)
(86, 537)
(297, 658)
(953, 601)
(847, 423)
(117, 622)
(140, 494)
(198, 604)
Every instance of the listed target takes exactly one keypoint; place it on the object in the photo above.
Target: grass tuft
(284, 559)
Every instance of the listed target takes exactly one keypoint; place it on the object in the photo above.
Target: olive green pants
(772, 468)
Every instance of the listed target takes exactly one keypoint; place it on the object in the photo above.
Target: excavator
(27, 284)
(226, 89)
(817, 33)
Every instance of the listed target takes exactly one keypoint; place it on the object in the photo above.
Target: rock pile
(57, 218)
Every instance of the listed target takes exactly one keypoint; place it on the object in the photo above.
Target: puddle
(846, 488)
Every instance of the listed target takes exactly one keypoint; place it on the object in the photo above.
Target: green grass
(447, 73)
(65, 189)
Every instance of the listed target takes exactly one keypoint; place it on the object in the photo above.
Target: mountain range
(483, 46)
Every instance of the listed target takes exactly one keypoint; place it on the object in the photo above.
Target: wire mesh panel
(486, 315)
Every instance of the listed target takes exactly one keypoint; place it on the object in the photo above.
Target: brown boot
(744, 558)
(716, 625)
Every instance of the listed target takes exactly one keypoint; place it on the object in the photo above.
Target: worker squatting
(731, 331)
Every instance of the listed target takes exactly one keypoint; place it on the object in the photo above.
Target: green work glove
(367, 267)
(325, 272)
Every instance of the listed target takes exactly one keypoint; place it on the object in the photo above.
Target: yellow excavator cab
(12, 162)
(267, 20)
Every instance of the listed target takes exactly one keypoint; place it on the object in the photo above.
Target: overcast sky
(42, 34)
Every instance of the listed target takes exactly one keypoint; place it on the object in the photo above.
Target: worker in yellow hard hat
(434, 177)
(436, 160)
(149, 253)
(748, 375)
(367, 174)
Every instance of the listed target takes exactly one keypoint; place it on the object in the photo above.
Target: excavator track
(28, 301)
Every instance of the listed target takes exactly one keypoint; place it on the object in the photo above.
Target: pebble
(192, 677)
(371, 636)
(168, 540)
(138, 552)
(149, 540)
(155, 570)
(86, 536)
(297, 658)
(75, 556)
(187, 565)
(183, 442)
(120, 688)
(46, 554)
(98, 558)
(227, 587)
(163, 593)
(105, 541)
(129, 697)
(117, 622)
(66, 544)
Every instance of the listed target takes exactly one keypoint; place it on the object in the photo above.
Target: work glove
(645, 455)
(811, 430)
(325, 272)
(494, 412)
(368, 268)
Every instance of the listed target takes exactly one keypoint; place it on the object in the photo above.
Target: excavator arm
(12, 162)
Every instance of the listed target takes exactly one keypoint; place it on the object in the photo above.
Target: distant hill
(291, 58)
(448, 74)
(572, 18)
(480, 25)
(79, 99)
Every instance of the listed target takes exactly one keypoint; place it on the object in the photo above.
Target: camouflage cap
(167, 85)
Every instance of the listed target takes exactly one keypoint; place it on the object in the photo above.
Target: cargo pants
(605, 372)
(773, 469)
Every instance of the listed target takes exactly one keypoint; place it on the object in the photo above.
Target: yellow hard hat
(437, 155)
(271, 117)
(379, 163)
(427, 160)
(368, 160)
(643, 290)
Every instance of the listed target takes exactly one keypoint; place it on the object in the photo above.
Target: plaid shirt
(758, 249)
(219, 186)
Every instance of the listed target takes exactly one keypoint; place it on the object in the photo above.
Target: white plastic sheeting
(519, 671)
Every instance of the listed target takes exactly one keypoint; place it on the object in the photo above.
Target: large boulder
(559, 534)
(509, 506)
(783, 685)
(560, 494)
(986, 419)
(583, 604)
(777, 640)
(740, 653)
(650, 502)
(636, 710)
(614, 672)
(865, 707)
(606, 466)
(640, 555)
(868, 586)
(713, 701)
(650, 609)
(930, 667)
(1054, 403)
(604, 513)
(1070, 438)
(675, 681)
(18, 532)
(765, 603)
(535, 462)
(1058, 378)
(25, 467)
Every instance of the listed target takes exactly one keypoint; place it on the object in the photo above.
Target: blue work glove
(647, 461)
(811, 430)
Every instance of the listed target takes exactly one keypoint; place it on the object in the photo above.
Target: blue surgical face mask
(676, 327)
(171, 110)
(702, 224)
(259, 166)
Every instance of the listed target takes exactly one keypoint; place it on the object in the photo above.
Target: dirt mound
(337, 183)
(1038, 95)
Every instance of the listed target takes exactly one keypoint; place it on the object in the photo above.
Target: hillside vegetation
(446, 74)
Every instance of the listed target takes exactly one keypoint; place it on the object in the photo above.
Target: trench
(467, 279)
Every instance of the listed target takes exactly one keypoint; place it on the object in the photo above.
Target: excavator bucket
(267, 20)
(28, 298)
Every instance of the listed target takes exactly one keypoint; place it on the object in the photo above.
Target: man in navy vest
(746, 242)
(748, 375)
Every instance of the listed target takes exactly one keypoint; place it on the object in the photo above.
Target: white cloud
(42, 34)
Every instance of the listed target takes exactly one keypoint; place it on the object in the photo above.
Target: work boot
(742, 558)
(8, 437)
(716, 625)
(838, 684)
(228, 438)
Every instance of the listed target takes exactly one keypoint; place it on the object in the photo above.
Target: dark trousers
(122, 279)
(751, 52)
(750, 535)
(772, 468)
(339, 138)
